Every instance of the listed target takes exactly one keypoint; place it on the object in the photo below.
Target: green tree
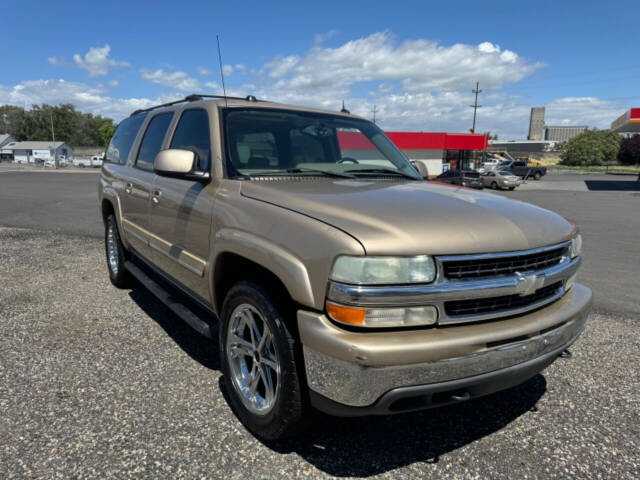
(71, 126)
(593, 147)
(107, 129)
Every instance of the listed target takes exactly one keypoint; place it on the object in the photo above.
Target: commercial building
(438, 151)
(628, 122)
(5, 139)
(536, 123)
(562, 133)
(34, 152)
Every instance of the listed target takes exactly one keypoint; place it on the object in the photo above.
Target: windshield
(272, 142)
(504, 164)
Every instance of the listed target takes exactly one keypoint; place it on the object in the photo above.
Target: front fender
(281, 262)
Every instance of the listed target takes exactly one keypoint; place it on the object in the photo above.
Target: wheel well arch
(107, 209)
(231, 268)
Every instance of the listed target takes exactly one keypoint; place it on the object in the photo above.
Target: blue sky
(416, 61)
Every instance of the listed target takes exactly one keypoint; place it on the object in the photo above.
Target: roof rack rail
(192, 98)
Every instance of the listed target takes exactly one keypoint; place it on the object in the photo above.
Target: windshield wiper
(381, 170)
(328, 173)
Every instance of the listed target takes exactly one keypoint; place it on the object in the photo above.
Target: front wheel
(116, 254)
(257, 356)
(512, 188)
(537, 176)
(494, 185)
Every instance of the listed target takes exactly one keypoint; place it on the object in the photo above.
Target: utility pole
(475, 106)
(53, 136)
(374, 111)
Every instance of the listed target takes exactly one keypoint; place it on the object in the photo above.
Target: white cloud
(227, 69)
(418, 65)
(179, 80)
(96, 61)
(55, 61)
(322, 37)
(416, 85)
(85, 97)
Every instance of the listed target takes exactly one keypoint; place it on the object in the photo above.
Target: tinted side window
(122, 140)
(518, 164)
(152, 141)
(192, 133)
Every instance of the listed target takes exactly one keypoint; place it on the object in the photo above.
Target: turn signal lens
(383, 317)
(348, 315)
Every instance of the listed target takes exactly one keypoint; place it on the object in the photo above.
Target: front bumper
(362, 373)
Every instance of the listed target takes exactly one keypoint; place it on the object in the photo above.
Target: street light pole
(374, 111)
(475, 106)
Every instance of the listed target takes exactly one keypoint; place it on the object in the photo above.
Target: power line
(475, 106)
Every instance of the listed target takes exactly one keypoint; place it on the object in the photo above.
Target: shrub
(629, 153)
(593, 147)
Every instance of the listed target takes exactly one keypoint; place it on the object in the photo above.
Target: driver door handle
(128, 187)
(155, 196)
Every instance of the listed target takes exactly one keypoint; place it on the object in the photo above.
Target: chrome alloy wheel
(112, 249)
(253, 361)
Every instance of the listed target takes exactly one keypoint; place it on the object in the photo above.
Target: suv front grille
(480, 306)
(493, 266)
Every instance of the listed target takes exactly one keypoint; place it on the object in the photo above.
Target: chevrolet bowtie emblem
(528, 284)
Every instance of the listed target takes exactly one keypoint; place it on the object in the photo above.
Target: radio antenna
(224, 90)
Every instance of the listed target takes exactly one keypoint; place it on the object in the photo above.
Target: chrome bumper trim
(444, 290)
(358, 383)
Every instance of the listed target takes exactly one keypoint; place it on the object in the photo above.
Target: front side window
(192, 133)
(152, 141)
(122, 140)
(273, 142)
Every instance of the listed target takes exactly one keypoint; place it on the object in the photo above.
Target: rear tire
(116, 254)
(259, 367)
(537, 176)
(494, 185)
(512, 188)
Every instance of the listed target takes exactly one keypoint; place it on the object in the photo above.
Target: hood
(412, 218)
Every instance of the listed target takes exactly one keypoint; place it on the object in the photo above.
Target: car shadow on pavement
(364, 446)
(612, 185)
(198, 347)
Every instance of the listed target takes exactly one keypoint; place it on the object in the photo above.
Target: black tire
(537, 176)
(512, 188)
(118, 274)
(494, 185)
(289, 412)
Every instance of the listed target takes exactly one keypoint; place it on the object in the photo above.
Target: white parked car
(82, 162)
(96, 161)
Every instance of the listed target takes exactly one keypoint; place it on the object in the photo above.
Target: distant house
(34, 152)
(5, 138)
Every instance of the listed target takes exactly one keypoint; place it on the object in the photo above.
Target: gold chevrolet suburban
(335, 277)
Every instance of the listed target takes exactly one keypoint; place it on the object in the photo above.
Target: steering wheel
(348, 159)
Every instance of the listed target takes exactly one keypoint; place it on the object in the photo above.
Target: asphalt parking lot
(100, 382)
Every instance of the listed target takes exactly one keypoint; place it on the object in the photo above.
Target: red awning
(418, 141)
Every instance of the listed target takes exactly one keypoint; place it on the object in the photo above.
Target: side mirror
(179, 164)
(421, 168)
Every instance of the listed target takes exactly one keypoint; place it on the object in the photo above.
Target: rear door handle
(155, 196)
(128, 187)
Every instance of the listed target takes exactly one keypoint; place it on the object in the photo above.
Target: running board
(177, 307)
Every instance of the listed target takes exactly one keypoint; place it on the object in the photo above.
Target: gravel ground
(100, 382)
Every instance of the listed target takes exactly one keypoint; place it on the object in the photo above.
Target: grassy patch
(630, 169)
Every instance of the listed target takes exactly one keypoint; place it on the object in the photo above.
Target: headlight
(576, 246)
(384, 270)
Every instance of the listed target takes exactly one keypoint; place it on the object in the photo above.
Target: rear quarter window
(122, 140)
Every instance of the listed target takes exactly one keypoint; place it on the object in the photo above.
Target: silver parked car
(500, 179)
